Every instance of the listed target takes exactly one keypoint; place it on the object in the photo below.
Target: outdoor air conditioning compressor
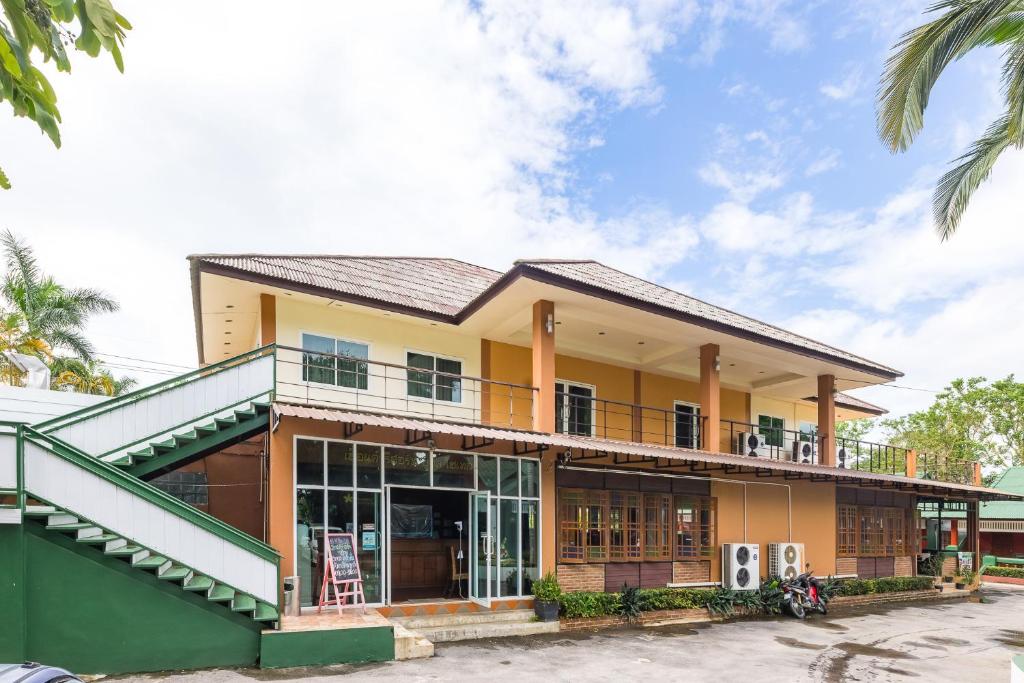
(741, 566)
(785, 560)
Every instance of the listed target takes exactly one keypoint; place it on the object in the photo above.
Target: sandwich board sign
(341, 573)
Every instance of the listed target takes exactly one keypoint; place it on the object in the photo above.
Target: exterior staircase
(476, 625)
(57, 520)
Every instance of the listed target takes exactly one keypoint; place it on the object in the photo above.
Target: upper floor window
(808, 431)
(687, 425)
(574, 408)
(335, 368)
(771, 428)
(440, 380)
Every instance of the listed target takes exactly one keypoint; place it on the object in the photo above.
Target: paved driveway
(950, 641)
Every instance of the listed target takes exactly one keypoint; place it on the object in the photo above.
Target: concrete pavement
(955, 641)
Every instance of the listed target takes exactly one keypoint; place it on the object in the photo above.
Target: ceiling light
(229, 321)
(227, 343)
(227, 332)
(558, 322)
(760, 372)
(641, 343)
(600, 332)
(732, 365)
(230, 306)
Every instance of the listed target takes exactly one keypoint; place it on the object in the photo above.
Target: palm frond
(1013, 90)
(954, 190)
(919, 58)
(21, 263)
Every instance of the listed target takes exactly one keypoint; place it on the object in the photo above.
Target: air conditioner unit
(751, 444)
(741, 566)
(843, 459)
(803, 451)
(785, 560)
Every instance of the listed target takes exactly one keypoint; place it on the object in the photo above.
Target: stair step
(89, 532)
(125, 551)
(261, 406)
(76, 526)
(39, 510)
(220, 593)
(151, 562)
(226, 421)
(444, 634)
(143, 453)
(243, 603)
(416, 623)
(265, 612)
(207, 429)
(186, 438)
(163, 446)
(245, 414)
(411, 645)
(124, 461)
(98, 540)
(199, 583)
(60, 518)
(175, 573)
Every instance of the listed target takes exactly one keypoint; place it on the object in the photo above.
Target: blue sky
(725, 148)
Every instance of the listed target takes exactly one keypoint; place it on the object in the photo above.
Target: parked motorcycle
(803, 594)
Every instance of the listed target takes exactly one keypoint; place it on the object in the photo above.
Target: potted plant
(961, 582)
(968, 576)
(546, 592)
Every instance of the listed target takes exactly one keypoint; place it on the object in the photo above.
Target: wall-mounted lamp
(550, 323)
(565, 457)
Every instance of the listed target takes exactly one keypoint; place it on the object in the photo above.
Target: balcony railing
(870, 457)
(756, 441)
(341, 381)
(605, 419)
(938, 468)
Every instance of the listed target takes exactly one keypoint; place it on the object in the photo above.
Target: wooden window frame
(625, 525)
(571, 526)
(657, 527)
(698, 549)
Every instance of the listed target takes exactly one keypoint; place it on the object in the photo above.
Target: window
(574, 409)
(872, 533)
(694, 527)
(847, 537)
(808, 431)
(335, 368)
(596, 525)
(687, 425)
(771, 428)
(188, 487)
(438, 380)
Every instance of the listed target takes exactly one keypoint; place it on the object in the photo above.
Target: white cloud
(781, 20)
(826, 161)
(847, 87)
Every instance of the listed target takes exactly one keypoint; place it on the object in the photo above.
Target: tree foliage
(970, 420)
(913, 68)
(86, 377)
(50, 27)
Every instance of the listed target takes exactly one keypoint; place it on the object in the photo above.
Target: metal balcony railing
(605, 419)
(757, 441)
(867, 456)
(333, 380)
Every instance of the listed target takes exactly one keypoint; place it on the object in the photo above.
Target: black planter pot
(546, 610)
(961, 586)
(947, 579)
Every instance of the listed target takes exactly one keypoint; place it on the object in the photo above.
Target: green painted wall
(92, 614)
(305, 648)
(12, 593)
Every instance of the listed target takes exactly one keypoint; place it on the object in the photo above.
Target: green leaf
(8, 59)
(44, 86)
(102, 15)
(5, 183)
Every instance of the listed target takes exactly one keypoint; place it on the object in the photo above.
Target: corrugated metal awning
(630, 448)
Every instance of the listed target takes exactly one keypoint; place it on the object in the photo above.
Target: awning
(635, 453)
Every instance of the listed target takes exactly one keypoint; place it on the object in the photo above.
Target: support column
(976, 473)
(827, 420)
(710, 398)
(544, 421)
(911, 467)
(268, 319)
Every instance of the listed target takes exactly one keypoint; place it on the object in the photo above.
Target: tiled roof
(601, 276)
(844, 400)
(1011, 481)
(435, 285)
(447, 289)
(587, 443)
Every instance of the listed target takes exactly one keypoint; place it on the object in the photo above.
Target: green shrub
(630, 603)
(1011, 572)
(583, 604)
(889, 584)
(546, 589)
(654, 599)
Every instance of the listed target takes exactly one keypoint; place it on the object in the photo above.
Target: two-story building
(560, 416)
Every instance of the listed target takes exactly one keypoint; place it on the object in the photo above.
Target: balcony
(338, 381)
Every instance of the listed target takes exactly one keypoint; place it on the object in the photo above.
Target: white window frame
(565, 404)
(675, 424)
(812, 433)
(336, 338)
(433, 384)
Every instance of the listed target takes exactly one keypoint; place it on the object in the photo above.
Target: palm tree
(914, 66)
(87, 377)
(38, 309)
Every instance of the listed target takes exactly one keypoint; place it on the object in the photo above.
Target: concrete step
(416, 623)
(501, 629)
(411, 645)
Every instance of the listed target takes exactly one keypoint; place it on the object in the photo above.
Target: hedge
(1011, 572)
(582, 604)
(889, 584)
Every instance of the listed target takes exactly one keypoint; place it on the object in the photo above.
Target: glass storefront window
(529, 522)
(508, 547)
(530, 477)
(339, 464)
(309, 530)
(406, 467)
(487, 474)
(453, 470)
(367, 466)
(339, 512)
(368, 537)
(509, 476)
(309, 462)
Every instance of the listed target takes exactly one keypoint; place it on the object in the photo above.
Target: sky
(726, 149)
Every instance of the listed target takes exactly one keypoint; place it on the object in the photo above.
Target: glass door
(481, 548)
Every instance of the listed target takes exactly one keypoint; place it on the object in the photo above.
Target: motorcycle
(802, 594)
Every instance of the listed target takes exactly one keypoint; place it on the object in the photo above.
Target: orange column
(976, 474)
(268, 319)
(710, 397)
(544, 421)
(911, 464)
(827, 420)
(954, 532)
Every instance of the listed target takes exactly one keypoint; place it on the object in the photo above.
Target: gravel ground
(955, 641)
